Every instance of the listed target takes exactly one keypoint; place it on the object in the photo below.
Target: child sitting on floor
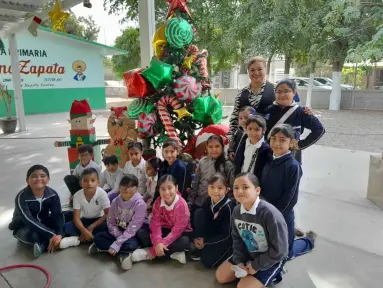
(169, 227)
(111, 177)
(37, 219)
(260, 244)
(90, 209)
(212, 231)
(126, 215)
(136, 165)
(85, 155)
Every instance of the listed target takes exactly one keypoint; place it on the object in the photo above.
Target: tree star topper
(177, 4)
(58, 18)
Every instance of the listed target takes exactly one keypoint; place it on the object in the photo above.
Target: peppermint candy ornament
(136, 108)
(179, 32)
(145, 124)
(187, 88)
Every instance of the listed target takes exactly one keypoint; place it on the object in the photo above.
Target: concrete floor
(348, 254)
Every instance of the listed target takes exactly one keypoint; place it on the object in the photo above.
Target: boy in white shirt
(111, 177)
(85, 155)
(90, 209)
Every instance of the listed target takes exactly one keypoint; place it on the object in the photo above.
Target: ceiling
(13, 13)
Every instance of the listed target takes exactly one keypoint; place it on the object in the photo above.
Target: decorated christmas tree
(173, 93)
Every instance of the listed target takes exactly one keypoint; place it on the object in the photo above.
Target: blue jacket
(177, 170)
(264, 154)
(280, 182)
(37, 217)
(235, 140)
(298, 120)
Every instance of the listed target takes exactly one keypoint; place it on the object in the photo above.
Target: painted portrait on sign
(79, 67)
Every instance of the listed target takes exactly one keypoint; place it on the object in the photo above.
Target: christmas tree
(173, 93)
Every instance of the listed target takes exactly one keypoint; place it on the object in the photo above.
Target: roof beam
(65, 5)
(6, 18)
(19, 7)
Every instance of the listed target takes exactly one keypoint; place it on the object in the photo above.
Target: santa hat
(118, 110)
(79, 109)
(218, 129)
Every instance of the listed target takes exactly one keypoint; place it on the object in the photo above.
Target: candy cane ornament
(165, 116)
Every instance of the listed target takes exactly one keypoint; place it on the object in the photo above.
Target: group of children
(238, 216)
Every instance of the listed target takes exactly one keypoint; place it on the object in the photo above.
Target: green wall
(56, 100)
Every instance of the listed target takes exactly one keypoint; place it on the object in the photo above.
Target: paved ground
(349, 252)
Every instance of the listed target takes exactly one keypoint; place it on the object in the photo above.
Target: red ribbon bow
(118, 142)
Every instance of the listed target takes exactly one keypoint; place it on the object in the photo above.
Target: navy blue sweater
(35, 216)
(177, 170)
(280, 182)
(264, 154)
(217, 221)
(298, 120)
(235, 140)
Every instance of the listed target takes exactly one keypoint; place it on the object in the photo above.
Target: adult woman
(259, 94)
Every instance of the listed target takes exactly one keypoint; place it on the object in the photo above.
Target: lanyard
(253, 160)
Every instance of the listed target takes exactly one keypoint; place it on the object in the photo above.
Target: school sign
(55, 70)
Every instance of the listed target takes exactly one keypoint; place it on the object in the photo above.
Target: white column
(16, 80)
(310, 90)
(147, 28)
(335, 95)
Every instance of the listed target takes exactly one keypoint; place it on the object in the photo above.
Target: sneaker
(195, 255)
(93, 249)
(38, 249)
(126, 261)
(179, 256)
(141, 255)
(312, 235)
(69, 242)
(299, 233)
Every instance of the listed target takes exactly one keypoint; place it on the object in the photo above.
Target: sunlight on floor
(320, 282)
(5, 216)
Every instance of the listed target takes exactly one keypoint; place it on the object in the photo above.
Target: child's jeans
(180, 245)
(73, 183)
(299, 246)
(104, 240)
(71, 230)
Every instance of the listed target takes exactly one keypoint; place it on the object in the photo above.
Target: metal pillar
(16, 80)
(147, 24)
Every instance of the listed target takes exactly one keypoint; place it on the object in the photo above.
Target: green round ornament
(136, 108)
(178, 32)
(159, 73)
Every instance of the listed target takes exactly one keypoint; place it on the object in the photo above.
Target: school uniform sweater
(79, 168)
(33, 214)
(175, 217)
(259, 236)
(298, 120)
(280, 182)
(139, 172)
(217, 228)
(111, 181)
(125, 218)
(264, 153)
(235, 140)
(177, 170)
(205, 170)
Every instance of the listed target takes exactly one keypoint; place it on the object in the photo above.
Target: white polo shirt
(95, 207)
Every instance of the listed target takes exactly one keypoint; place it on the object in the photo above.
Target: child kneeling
(212, 229)
(169, 226)
(126, 215)
(260, 240)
